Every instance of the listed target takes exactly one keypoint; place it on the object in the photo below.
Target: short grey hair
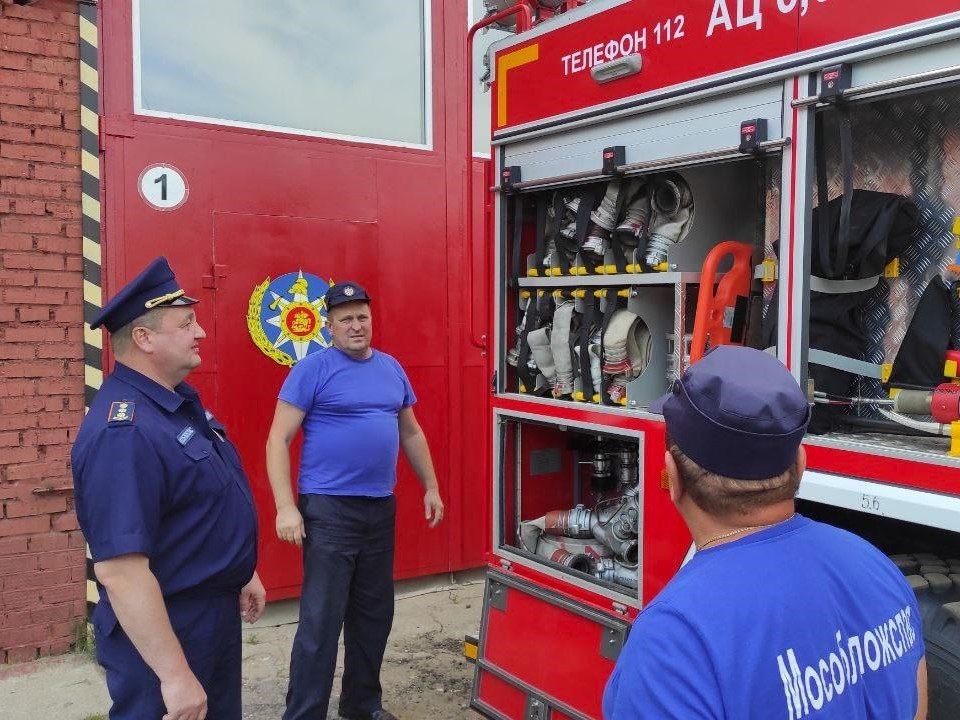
(120, 340)
(725, 497)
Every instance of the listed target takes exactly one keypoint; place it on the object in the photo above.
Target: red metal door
(244, 260)
(135, 233)
(265, 204)
(540, 650)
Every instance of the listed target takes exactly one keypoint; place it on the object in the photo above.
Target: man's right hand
(184, 698)
(290, 525)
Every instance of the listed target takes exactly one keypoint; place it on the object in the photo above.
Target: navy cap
(155, 287)
(344, 292)
(738, 412)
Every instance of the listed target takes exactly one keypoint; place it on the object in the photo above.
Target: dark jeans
(347, 583)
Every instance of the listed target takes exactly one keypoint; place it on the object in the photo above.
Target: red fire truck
(679, 174)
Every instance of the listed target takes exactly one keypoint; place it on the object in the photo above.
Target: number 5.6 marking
(870, 503)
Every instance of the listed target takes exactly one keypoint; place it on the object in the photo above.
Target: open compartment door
(531, 632)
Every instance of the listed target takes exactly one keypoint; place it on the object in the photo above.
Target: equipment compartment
(607, 275)
(883, 326)
(572, 501)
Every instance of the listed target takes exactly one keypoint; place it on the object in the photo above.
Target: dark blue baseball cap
(737, 412)
(155, 287)
(344, 292)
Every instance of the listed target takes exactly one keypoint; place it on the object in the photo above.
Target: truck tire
(936, 583)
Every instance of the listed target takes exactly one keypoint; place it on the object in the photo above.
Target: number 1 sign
(163, 187)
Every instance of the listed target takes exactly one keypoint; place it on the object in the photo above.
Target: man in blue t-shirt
(776, 616)
(355, 406)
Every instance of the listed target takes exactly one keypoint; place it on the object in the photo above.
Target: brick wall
(42, 565)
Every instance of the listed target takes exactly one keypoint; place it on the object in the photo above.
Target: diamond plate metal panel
(771, 224)
(908, 145)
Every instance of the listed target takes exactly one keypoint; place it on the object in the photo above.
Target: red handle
(712, 305)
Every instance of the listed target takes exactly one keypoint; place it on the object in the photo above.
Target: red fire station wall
(264, 204)
(42, 567)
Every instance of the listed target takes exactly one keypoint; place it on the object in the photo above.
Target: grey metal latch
(611, 642)
(497, 595)
(536, 709)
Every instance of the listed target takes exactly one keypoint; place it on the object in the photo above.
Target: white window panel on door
(354, 71)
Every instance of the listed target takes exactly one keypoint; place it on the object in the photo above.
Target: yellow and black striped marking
(90, 201)
(470, 648)
(93, 595)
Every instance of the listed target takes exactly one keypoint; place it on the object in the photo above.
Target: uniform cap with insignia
(155, 287)
(344, 292)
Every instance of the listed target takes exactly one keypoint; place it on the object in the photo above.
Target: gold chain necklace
(743, 530)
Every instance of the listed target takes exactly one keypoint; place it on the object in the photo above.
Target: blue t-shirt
(350, 433)
(800, 620)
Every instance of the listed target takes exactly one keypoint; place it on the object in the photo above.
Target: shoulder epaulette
(121, 411)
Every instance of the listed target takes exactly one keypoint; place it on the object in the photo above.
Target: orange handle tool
(714, 319)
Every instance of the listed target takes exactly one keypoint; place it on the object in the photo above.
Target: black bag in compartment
(881, 225)
(919, 362)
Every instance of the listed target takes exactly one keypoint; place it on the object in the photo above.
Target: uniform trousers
(348, 584)
(208, 628)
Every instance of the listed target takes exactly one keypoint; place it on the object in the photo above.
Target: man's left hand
(253, 597)
(433, 507)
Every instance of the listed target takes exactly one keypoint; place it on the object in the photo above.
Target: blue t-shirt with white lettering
(350, 433)
(800, 620)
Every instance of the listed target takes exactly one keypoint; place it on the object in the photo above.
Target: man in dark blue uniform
(165, 506)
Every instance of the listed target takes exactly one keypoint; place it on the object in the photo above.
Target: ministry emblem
(287, 317)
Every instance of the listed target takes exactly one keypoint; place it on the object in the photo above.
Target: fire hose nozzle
(613, 571)
(573, 523)
(576, 561)
(625, 548)
(913, 402)
(943, 403)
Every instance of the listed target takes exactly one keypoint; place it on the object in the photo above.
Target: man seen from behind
(776, 616)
